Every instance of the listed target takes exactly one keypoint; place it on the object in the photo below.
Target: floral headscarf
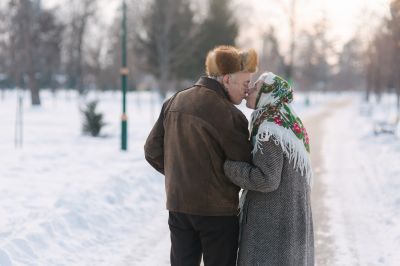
(275, 117)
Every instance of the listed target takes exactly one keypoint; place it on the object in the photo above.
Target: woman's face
(252, 97)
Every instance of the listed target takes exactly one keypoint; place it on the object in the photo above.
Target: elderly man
(198, 129)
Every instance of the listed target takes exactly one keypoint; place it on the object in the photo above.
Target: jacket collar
(212, 84)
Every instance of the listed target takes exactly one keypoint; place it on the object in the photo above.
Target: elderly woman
(276, 220)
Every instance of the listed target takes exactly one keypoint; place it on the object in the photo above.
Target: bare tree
(4, 62)
(350, 74)
(290, 10)
(313, 67)
(394, 27)
(94, 64)
(167, 40)
(382, 66)
(33, 45)
(270, 56)
(49, 50)
(23, 43)
(79, 15)
(104, 59)
(293, 28)
(380, 70)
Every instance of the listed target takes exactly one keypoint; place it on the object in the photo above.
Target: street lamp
(124, 80)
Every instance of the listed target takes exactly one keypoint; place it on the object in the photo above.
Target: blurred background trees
(32, 46)
(166, 41)
(72, 47)
(382, 56)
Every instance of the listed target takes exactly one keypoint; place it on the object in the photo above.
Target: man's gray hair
(218, 78)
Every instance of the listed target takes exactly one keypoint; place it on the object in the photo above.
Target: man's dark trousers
(216, 237)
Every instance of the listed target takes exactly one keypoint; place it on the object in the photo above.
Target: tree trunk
(293, 18)
(163, 84)
(367, 94)
(35, 97)
(369, 82)
(79, 47)
(398, 101)
(33, 84)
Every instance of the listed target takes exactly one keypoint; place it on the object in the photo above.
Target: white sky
(344, 16)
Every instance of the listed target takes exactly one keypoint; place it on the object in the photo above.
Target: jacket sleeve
(154, 146)
(264, 175)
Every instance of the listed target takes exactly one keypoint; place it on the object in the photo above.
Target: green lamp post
(124, 82)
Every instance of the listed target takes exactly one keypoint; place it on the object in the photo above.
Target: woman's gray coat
(277, 227)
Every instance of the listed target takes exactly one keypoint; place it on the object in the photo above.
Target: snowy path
(356, 199)
(323, 241)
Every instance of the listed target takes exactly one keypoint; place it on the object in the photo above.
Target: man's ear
(226, 80)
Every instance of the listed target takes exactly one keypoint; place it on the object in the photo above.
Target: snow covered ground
(68, 199)
(362, 178)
